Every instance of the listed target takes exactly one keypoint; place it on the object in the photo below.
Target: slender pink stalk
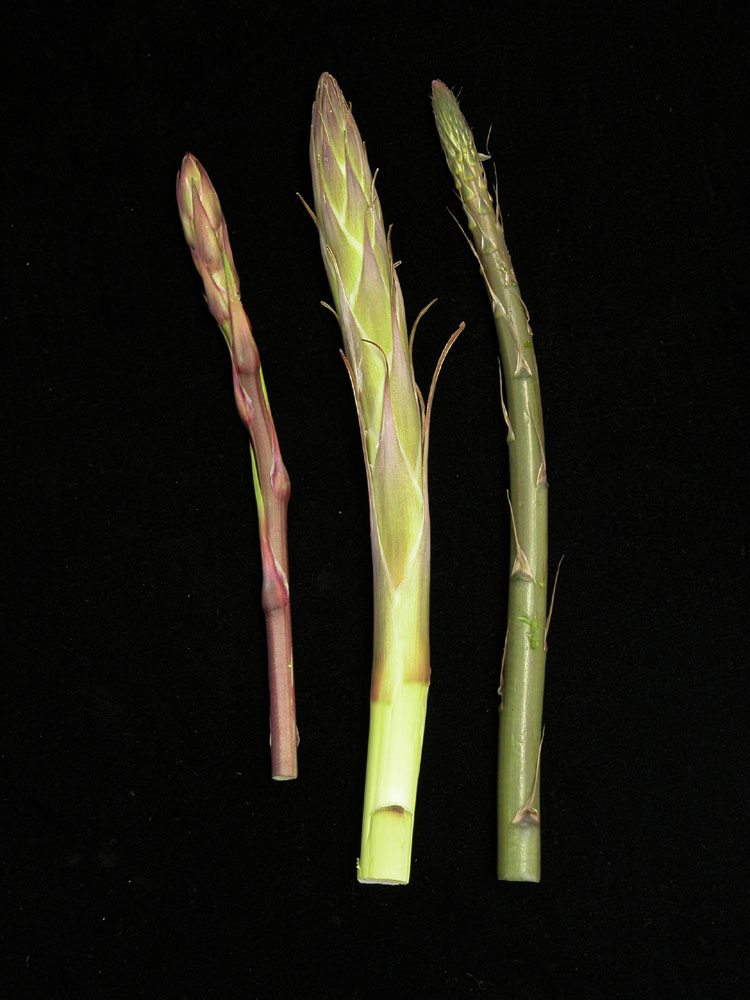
(206, 234)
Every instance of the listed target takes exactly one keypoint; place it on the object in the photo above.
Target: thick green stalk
(394, 426)
(206, 233)
(522, 673)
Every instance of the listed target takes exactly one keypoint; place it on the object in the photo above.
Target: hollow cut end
(386, 852)
(519, 852)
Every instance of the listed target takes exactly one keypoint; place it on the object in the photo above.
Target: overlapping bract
(368, 300)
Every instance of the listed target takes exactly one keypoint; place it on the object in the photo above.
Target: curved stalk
(206, 234)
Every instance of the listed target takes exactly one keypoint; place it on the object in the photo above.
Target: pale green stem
(398, 703)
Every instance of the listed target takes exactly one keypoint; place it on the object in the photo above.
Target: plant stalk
(522, 672)
(398, 703)
(206, 234)
(394, 425)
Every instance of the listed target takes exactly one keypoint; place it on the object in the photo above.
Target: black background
(147, 853)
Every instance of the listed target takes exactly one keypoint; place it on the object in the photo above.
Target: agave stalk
(394, 424)
(206, 233)
(522, 671)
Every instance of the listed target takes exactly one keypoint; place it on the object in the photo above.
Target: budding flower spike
(394, 423)
(522, 671)
(206, 233)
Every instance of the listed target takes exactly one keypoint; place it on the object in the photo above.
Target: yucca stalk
(394, 426)
(522, 671)
(206, 233)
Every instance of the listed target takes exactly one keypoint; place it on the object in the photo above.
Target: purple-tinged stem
(206, 234)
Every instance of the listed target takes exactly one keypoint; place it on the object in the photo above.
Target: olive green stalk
(522, 672)
(206, 233)
(394, 425)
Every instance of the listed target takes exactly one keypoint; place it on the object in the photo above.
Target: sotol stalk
(206, 234)
(522, 673)
(394, 425)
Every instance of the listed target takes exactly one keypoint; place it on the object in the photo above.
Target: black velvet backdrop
(145, 851)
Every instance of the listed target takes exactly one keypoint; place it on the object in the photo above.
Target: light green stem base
(393, 757)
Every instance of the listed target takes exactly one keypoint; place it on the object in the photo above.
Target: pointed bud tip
(327, 87)
(327, 82)
(188, 175)
(185, 180)
(193, 180)
(442, 95)
(191, 169)
(329, 95)
(455, 134)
